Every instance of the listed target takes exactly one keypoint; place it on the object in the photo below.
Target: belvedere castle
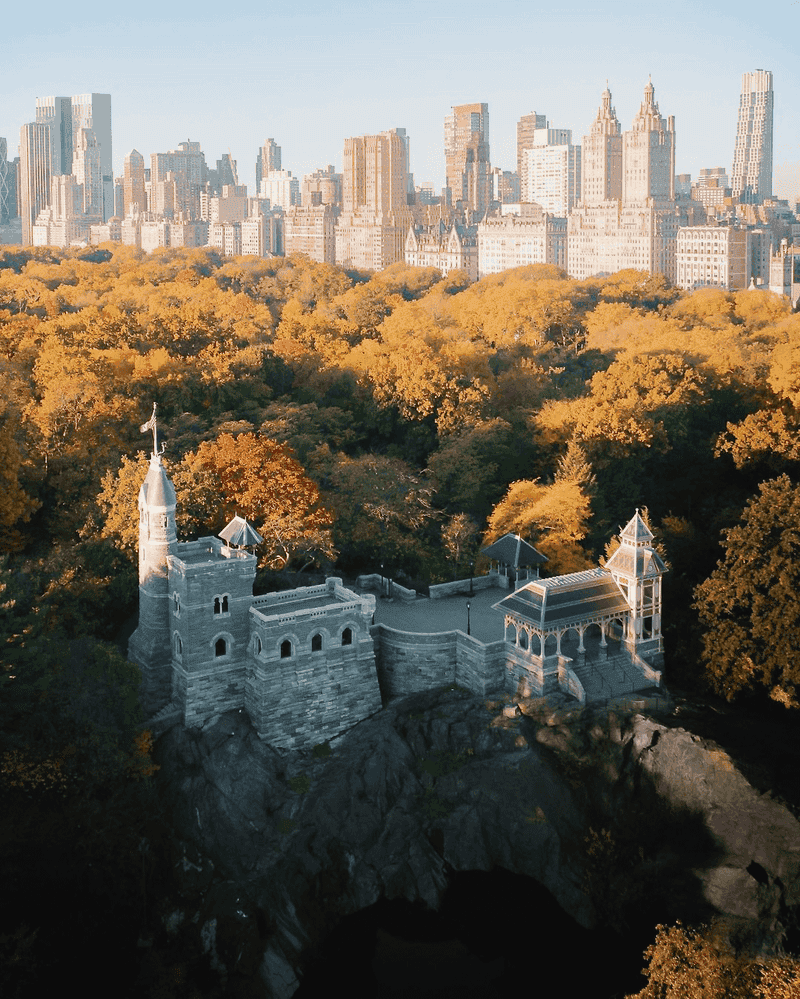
(309, 663)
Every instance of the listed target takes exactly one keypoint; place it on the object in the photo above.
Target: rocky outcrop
(609, 811)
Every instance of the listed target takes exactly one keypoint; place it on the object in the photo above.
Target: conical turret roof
(157, 491)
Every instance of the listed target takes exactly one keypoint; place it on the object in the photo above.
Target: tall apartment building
(5, 214)
(467, 157)
(601, 156)
(93, 111)
(35, 174)
(648, 154)
(322, 187)
(551, 171)
(751, 176)
(628, 216)
(375, 218)
(134, 195)
(311, 229)
(187, 164)
(57, 113)
(505, 186)
(87, 169)
(269, 159)
(282, 189)
(526, 126)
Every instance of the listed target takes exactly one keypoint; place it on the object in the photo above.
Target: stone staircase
(607, 673)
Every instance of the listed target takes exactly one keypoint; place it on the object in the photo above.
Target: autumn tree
(554, 518)
(750, 605)
(246, 474)
(698, 963)
(458, 539)
(382, 509)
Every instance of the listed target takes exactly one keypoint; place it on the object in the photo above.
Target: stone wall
(298, 703)
(383, 585)
(492, 579)
(408, 662)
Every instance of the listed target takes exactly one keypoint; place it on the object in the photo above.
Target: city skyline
(184, 75)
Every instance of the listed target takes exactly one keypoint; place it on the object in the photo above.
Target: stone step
(611, 676)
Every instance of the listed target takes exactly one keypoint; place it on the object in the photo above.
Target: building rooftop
(556, 603)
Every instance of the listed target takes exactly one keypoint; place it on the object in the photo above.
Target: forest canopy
(397, 418)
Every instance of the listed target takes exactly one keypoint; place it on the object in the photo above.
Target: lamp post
(471, 591)
(469, 632)
(381, 580)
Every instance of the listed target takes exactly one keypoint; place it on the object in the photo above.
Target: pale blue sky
(311, 74)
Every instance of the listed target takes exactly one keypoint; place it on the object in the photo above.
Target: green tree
(749, 606)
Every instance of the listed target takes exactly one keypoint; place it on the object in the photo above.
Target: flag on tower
(150, 423)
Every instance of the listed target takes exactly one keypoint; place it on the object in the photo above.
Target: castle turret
(150, 644)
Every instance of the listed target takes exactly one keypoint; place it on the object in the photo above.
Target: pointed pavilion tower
(150, 645)
(638, 569)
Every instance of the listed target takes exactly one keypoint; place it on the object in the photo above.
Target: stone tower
(648, 155)
(149, 646)
(601, 175)
(637, 569)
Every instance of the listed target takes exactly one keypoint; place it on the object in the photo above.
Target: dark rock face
(620, 817)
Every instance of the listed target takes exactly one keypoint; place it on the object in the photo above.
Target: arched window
(178, 645)
(216, 605)
(221, 604)
(523, 639)
(286, 649)
(225, 604)
(176, 600)
(220, 647)
(316, 643)
(347, 636)
(257, 645)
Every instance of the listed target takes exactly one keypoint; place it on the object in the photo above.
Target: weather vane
(151, 425)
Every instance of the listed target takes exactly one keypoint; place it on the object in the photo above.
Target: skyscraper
(4, 212)
(751, 177)
(551, 171)
(187, 164)
(467, 159)
(269, 159)
(57, 113)
(87, 170)
(601, 167)
(135, 197)
(93, 111)
(35, 173)
(526, 126)
(372, 229)
(648, 154)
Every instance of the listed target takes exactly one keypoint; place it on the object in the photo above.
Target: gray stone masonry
(211, 591)
(311, 672)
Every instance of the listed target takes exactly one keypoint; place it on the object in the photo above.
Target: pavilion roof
(511, 549)
(549, 604)
(240, 533)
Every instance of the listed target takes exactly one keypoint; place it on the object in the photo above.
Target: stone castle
(307, 664)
